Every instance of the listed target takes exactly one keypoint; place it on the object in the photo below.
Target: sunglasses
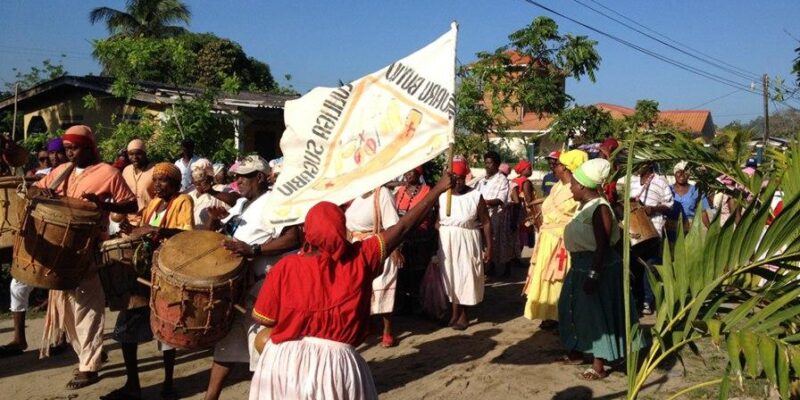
(43, 158)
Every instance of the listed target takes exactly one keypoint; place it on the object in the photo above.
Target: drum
(196, 284)
(12, 205)
(641, 226)
(125, 260)
(57, 242)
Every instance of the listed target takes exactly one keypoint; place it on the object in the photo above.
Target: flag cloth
(340, 143)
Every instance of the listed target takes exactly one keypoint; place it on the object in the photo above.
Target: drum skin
(195, 285)
(12, 208)
(124, 260)
(57, 243)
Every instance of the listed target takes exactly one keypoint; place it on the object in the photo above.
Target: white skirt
(312, 368)
(461, 265)
(384, 288)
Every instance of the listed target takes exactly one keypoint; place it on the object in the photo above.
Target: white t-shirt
(657, 193)
(202, 202)
(246, 221)
(186, 173)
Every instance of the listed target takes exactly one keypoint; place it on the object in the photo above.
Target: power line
(732, 68)
(715, 99)
(686, 67)
(752, 75)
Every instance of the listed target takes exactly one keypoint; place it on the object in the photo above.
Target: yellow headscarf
(573, 159)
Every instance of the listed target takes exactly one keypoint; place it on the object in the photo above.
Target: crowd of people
(318, 287)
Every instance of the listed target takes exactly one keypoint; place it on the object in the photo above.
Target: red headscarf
(610, 144)
(82, 136)
(419, 170)
(522, 166)
(460, 168)
(325, 229)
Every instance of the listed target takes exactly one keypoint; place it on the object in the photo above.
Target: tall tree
(526, 74)
(144, 18)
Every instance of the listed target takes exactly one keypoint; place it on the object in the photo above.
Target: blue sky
(322, 42)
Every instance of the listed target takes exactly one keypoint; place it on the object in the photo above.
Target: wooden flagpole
(448, 169)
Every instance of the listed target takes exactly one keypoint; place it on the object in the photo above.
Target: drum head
(120, 243)
(198, 256)
(66, 209)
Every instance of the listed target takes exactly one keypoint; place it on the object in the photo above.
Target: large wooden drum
(57, 243)
(125, 260)
(196, 284)
(12, 206)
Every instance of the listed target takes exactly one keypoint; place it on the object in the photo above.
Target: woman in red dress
(317, 305)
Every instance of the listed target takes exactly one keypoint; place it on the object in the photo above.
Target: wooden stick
(447, 170)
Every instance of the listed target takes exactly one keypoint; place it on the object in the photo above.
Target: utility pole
(766, 112)
(14, 119)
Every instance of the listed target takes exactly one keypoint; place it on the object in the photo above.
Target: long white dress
(460, 249)
(361, 222)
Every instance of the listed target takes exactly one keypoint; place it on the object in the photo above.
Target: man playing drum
(167, 214)
(81, 311)
(263, 246)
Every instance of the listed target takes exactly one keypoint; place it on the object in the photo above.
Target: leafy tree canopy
(144, 18)
(528, 73)
(588, 124)
(191, 59)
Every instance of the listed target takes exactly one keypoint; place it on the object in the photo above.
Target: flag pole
(448, 169)
(449, 165)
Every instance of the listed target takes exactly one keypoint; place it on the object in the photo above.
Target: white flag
(342, 142)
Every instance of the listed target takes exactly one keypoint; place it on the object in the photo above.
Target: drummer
(170, 212)
(263, 246)
(81, 311)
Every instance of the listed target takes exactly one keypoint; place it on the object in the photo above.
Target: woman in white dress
(367, 216)
(462, 249)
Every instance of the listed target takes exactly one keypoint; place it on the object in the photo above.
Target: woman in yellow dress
(550, 260)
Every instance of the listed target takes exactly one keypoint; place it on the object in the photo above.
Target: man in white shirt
(262, 246)
(653, 192)
(494, 188)
(184, 164)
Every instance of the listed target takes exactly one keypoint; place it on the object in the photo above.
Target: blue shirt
(686, 204)
(547, 183)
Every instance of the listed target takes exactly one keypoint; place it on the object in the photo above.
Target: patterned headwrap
(202, 169)
(167, 170)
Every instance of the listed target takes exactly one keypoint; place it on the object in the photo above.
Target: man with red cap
(550, 178)
(80, 311)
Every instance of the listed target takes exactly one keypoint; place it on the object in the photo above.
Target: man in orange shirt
(81, 311)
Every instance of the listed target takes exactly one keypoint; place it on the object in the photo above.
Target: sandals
(11, 349)
(388, 340)
(83, 379)
(591, 375)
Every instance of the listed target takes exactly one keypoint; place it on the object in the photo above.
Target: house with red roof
(697, 122)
